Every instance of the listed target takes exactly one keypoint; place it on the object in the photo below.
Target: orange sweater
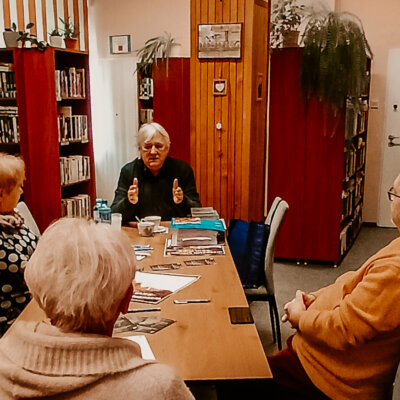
(349, 338)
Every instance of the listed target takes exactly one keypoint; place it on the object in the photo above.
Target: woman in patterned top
(17, 242)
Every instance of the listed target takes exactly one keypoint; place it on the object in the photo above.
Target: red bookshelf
(37, 115)
(307, 168)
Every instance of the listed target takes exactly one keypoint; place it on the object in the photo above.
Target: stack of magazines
(204, 213)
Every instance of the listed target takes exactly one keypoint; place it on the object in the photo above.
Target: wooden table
(202, 345)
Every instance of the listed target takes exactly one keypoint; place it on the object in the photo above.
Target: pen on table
(191, 301)
(144, 310)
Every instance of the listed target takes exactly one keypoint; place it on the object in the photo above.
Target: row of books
(71, 128)
(9, 130)
(349, 232)
(145, 115)
(70, 83)
(146, 89)
(7, 81)
(352, 193)
(356, 121)
(354, 158)
(76, 206)
(74, 169)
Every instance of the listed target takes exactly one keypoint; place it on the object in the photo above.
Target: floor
(289, 277)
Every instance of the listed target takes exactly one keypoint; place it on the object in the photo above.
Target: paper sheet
(170, 282)
(147, 353)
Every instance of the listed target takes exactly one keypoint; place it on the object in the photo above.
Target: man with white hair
(81, 276)
(153, 183)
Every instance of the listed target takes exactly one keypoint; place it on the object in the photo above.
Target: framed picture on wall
(120, 44)
(220, 41)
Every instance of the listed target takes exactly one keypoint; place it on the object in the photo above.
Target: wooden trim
(66, 10)
(55, 12)
(44, 18)
(76, 21)
(85, 21)
(261, 3)
(32, 16)
(20, 15)
(6, 11)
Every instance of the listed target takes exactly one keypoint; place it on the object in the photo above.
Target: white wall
(112, 78)
(382, 28)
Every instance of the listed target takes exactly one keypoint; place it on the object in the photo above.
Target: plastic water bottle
(96, 211)
(105, 212)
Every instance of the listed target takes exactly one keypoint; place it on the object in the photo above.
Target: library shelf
(38, 128)
(320, 175)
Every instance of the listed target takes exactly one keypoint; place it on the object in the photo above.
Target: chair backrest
(271, 211)
(28, 218)
(275, 223)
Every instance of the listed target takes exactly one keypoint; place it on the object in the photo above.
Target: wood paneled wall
(45, 15)
(229, 164)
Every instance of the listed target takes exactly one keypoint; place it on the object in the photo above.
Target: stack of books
(204, 213)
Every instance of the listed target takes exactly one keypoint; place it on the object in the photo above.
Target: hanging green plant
(335, 59)
(155, 48)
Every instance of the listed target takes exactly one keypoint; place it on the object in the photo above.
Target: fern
(334, 64)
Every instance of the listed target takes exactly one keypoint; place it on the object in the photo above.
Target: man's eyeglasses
(392, 195)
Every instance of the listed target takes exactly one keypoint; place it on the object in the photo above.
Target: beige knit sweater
(349, 338)
(38, 360)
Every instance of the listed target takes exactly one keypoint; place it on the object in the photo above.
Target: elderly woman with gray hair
(153, 183)
(81, 276)
(17, 242)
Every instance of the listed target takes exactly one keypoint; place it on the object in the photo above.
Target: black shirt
(155, 192)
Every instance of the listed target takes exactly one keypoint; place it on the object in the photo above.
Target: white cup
(153, 218)
(145, 228)
(116, 221)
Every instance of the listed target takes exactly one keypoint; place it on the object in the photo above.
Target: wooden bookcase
(312, 166)
(37, 115)
(170, 103)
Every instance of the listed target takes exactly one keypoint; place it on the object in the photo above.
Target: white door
(390, 145)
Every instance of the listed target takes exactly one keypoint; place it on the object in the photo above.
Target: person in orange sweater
(347, 344)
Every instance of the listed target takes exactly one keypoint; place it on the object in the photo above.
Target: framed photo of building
(220, 41)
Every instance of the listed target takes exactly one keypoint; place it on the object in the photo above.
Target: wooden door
(228, 131)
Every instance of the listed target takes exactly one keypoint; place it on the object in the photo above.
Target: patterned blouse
(16, 246)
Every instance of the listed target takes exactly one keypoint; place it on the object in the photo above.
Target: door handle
(391, 138)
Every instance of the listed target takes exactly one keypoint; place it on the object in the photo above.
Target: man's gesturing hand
(177, 192)
(133, 192)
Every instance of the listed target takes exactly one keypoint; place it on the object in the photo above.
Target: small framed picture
(219, 87)
(219, 41)
(120, 44)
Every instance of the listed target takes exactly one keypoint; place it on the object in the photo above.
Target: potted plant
(286, 18)
(70, 34)
(155, 48)
(56, 38)
(335, 59)
(27, 36)
(11, 36)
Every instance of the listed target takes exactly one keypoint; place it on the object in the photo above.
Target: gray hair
(80, 272)
(12, 171)
(147, 131)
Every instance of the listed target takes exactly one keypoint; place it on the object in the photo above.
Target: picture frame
(120, 44)
(220, 87)
(219, 41)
